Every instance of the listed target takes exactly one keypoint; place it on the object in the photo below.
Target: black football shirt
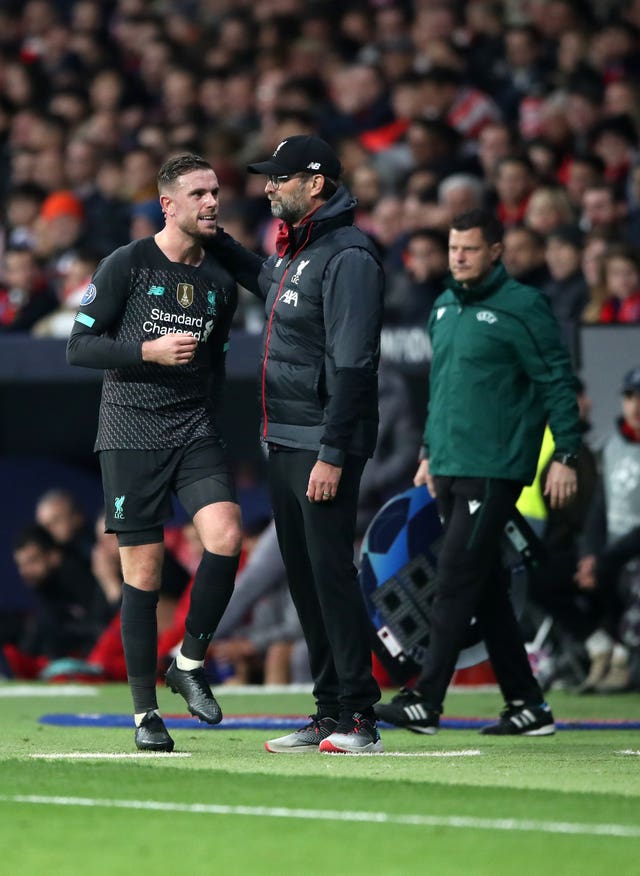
(137, 294)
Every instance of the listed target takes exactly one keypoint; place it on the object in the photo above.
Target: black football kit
(157, 431)
(137, 295)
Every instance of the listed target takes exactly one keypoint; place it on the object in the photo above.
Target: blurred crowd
(527, 106)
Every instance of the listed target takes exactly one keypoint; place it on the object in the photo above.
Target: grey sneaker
(357, 736)
(306, 739)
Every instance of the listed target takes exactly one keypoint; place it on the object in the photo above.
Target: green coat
(499, 373)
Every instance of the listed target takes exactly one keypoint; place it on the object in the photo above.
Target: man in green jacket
(499, 373)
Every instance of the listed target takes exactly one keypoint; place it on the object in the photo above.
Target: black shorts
(138, 483)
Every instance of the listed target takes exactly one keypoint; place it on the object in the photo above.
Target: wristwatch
(570, 459)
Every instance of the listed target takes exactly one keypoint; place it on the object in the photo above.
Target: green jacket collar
(491, 283)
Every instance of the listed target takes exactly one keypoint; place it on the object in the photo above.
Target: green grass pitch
(454, 803)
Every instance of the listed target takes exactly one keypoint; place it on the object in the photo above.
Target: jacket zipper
(265, 419)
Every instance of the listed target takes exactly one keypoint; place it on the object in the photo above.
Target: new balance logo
(290, 296)
(155, 290)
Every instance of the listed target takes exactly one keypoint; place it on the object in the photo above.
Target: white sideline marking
(455, 821)
(629, 751)
(81, 690)
(145, 755)
(469, 752)
(53, 690)
(111, 755)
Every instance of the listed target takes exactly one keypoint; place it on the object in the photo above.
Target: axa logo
(155, 290)
(296, 277)
(118, 507)
(486, 316)
(290, 296)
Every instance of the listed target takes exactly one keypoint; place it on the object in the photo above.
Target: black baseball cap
(631, 380)
(300, 154)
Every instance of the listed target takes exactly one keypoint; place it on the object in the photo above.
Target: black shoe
(194, 687)
(304, 740)
(151, 734)
(357, 735)
(522, 720)
(408, 710)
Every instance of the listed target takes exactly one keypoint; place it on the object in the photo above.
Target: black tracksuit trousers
(316, 540)
(472, 582)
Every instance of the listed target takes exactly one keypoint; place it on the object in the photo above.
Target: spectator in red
(622, 280)
(578, 173)
(25, 296)
(615, 140)
(466, 109)
(59, 230)
(515, 181)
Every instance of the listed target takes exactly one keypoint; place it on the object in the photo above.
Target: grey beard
(287, 214)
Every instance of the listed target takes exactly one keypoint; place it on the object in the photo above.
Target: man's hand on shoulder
(173, 349)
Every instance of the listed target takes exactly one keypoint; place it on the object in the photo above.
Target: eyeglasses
(277, 181)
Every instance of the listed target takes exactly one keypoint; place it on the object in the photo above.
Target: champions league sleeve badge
(89, 295)
(398, 568)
